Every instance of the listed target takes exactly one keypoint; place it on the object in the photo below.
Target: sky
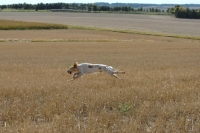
(108, 1)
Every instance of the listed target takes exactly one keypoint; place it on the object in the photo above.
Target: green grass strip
(21, 25)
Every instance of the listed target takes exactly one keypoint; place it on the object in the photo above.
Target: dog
(88, 68)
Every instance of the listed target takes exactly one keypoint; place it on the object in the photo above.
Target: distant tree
(140, 9)
(41, 6)
(181, 12)
(123, 8)
(36, 8)
(126, 9)
(89, 6)
(74, 6)
(117, 8)
(67, 6)
(151, 9)
(104, 8)
(171, 10)
(82, 6)
(94, 8)
(129, 9)
(188, 13)
(3, 6)
(156, 10)
(26, 6)
(178, 11)
(199, 13)
(194, 14)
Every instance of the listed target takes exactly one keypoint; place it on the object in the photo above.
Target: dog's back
(91, 68)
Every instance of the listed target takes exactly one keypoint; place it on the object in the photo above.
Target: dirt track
(82, 35)
(147, 23)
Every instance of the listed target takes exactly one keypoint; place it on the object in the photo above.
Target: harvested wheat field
(145, 23)
(160, 91)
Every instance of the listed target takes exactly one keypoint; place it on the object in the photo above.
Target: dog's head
(73, 68)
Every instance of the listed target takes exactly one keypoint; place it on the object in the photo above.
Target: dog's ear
(75, 64)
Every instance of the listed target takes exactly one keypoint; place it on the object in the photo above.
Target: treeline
(74, 6)
(39, 6)
(124, 9)
(181, 12)
(178, 11)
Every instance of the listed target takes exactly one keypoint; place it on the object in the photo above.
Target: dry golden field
(160, 91)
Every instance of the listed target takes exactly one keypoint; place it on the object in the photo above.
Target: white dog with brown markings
(88, 68)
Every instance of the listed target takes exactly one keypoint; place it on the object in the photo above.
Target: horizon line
(107, 3)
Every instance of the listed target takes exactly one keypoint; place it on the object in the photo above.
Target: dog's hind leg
(120, 72)
(109, 70)
(114, 75)
(114, 71)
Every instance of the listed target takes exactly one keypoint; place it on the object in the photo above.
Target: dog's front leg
(76, 75)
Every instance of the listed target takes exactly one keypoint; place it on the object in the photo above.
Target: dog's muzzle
(69, 72)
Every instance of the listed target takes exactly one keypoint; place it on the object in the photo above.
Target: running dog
(88, 68)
